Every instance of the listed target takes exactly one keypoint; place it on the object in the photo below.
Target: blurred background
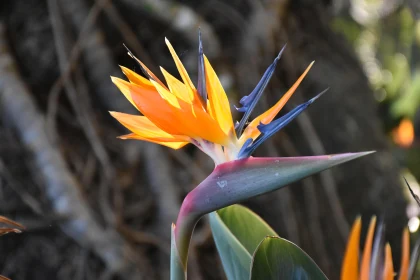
(97, 207)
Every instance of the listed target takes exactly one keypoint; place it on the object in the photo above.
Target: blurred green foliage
(388, 48)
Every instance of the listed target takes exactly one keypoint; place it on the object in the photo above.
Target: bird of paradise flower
(179, 113)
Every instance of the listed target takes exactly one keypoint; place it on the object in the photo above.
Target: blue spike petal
(244, 147)
(249, 101)
(201, 84)
(269, 129)
(377, 257)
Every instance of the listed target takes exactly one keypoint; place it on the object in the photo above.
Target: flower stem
(185, 224)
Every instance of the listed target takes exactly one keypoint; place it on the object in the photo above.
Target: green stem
(178, 270)
(181, 237)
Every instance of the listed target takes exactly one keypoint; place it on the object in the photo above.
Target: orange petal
(173, 145)
(124, 87)
(388, 266)
(167, 95)
(10, 222)
(200, 124)
(251, 130)
(181, 120)
(219, 106)
(136, 78)
(350, 267)
(143, 127)
(150, 73)
(170, 114)
(192, 92)
(405, 256)
(365, 266)
(180, 66)
(192, 120)
(176, 87)
(151, 104)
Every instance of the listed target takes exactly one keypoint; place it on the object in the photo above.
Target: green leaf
(237, 231)
(235, 258)
(246, 226)
(277, 258)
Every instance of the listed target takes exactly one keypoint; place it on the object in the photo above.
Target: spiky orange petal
(150, 73)
(173, 145)
(365, 266)
(193, 120)
(151, 104)
(135, 78)
(218, 105)
(388, 266)
(350, 267)
(167, 95)
(184, 75)
(177, 87)
(251, 130)
(143, 127)
(405, 259)
(124, 87)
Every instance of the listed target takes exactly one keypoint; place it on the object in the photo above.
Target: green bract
(237, 232)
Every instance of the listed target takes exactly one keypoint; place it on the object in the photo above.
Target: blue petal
(245, 147)
(201, 84)
(249, 101)
(268, 130)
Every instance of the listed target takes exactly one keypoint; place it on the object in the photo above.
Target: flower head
(177, 113)
(376, 262)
